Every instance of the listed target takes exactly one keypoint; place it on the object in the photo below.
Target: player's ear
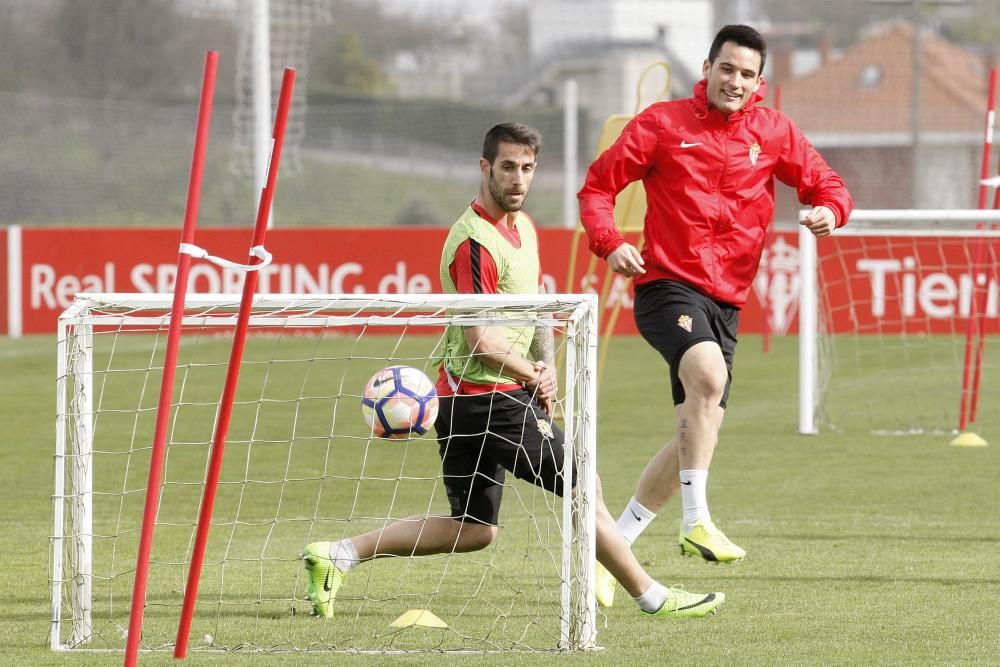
(706, 67)
(484, 166)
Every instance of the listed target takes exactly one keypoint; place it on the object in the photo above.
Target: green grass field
(862, 549)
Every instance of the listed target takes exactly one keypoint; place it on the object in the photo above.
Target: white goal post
(301, 466)
(894, 312)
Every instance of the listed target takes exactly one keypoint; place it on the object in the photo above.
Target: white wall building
(684, 26)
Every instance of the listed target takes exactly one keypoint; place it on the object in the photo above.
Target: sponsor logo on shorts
(544, 428)
(684, 322)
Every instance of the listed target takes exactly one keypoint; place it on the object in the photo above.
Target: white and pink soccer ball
(398, 401)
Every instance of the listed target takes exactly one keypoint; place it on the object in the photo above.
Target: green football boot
(707, 541)
(681, 604)
(604, 586)
(325, 579)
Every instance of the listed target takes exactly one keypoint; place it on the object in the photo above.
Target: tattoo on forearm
(542, 346)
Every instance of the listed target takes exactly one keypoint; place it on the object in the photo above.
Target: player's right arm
(626, 260)
(625, 161)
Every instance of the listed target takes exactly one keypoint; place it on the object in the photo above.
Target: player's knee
(706, 388)
(476, 536)
(704, 377)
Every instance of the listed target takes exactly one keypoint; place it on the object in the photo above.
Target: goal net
(272, 35)
(301, 465)
(886, 306)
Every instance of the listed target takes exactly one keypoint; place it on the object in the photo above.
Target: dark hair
(743, 35)
(512, 133)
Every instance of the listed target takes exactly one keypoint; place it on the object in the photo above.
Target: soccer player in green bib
(495, 404)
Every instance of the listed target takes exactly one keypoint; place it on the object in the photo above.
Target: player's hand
(544, 386)
(820, 221)
(626, 260)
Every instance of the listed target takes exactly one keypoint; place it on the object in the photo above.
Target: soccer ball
(399, 400)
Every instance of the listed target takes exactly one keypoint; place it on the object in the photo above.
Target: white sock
(344, 555)
(634, 520)
(694, 484)
(654, 597)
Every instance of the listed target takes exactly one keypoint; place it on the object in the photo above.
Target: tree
(350, 57)
(344, 69)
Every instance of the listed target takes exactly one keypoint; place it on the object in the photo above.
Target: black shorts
(672, 317)
(481, 436)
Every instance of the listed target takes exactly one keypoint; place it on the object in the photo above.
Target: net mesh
(301, 465)
(895, 305)
(291, 25)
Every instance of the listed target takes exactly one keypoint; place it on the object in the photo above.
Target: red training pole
(967, 410)
(980, 350)
(233, 371)
(170, 362)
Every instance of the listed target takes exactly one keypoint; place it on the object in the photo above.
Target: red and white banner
(915, 285)
(44, 268)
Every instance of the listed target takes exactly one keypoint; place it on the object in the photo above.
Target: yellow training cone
(421, 617)
(968, 439)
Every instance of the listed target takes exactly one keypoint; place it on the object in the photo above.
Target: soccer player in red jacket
(708, 164)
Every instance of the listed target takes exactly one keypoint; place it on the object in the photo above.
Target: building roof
(869, 89)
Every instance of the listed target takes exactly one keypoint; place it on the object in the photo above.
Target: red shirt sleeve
(473, 270)
(625, 161)
(802, 167)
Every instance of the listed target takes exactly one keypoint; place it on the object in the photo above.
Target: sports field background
(861, 549)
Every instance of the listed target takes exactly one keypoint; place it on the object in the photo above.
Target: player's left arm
(489, 344)
(801, 166)
(820, 221)
(538, 374)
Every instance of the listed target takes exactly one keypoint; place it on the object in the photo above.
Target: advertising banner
(876, 285)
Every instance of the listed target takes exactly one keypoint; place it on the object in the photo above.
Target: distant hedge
(445, 123)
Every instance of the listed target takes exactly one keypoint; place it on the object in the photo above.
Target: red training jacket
(709, 184)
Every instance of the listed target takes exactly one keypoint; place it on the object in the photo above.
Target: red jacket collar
(700, 97)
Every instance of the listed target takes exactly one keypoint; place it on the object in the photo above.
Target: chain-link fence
(393, 98)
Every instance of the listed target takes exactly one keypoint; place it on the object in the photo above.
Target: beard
(502, 201)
